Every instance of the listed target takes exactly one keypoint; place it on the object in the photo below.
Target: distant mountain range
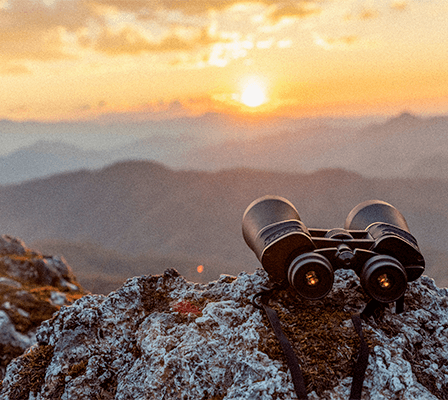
(404, 146)
(164, 217)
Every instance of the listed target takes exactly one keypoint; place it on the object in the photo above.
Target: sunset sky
(152, 59)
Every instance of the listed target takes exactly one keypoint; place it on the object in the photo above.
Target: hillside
(137, 208)
(102, 270)
(402, 146)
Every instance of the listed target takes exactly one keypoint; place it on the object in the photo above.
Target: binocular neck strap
(373, 306)
(291, 358)
(362, 361)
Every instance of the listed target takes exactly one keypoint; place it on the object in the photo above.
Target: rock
(32, 288)
(10, 337)
(11, 245)
(164, 337)
(9, 282)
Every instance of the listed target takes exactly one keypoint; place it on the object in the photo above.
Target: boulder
(162, 337)
(32, 287)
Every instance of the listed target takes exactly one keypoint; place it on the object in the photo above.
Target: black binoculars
(375, 243)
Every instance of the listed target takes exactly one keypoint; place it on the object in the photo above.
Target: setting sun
(107, 59)
(253, 95)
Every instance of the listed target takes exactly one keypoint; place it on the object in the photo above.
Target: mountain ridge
(395, 148)
(135, 207)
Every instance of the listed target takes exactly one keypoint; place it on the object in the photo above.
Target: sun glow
(253, 94)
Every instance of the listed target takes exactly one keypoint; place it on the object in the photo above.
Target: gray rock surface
(11, 245)
(32, 288)
(161, 337)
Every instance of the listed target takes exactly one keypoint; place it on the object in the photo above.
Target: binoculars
(375, 243)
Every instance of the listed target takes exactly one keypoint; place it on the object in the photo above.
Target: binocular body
(375, 242)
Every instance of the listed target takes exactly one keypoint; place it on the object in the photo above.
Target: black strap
(293, 363)
(374, 306)
(399, 305)
(362, 361)
(291, 359)
(371, 308)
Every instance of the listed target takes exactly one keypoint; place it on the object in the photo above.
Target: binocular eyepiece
(375, 243)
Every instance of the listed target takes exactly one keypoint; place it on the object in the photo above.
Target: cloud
(13, 69)
(341, 41)
(293, 8)
(20, 110)
(147, 8)
(364, 15)
(368, 13)
(32, 45)
(399, 5)
(35, 16)
(125, 41)
(301, 9)
(85, 107)
(132, 6)
(32, 30)
(130, 40)
(147, 111)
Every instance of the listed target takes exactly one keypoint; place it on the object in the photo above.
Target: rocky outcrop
(162, 337)
(32, 288)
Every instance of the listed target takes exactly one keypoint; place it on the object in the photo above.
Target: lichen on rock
(32, 288)
(164, 337)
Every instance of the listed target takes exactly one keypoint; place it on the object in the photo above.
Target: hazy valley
(140, 217)
(405, 146)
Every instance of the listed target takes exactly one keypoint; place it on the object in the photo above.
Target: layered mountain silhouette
(403, 146)
(166, 218)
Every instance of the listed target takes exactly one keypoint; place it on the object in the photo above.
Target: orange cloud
(13, 69)
(365, 14)
(399, 5)
(133, 6)
(289, 10)
(31, 30)
(145, 8)
(32, 45)
(336, 41)
(131, 41)
(143, 112)
(368, 14)
(32, 16)
(293, 8)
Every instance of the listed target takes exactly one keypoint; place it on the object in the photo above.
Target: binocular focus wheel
(311, 275)
(384, 278)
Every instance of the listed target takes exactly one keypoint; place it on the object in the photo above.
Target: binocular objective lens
(311, 275)
(311, 278)
(384, 281)
(384, 278)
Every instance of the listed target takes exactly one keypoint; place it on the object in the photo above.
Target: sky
(131, 60)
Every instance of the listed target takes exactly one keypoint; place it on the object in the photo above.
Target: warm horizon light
(141, 60)
(253, 95)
